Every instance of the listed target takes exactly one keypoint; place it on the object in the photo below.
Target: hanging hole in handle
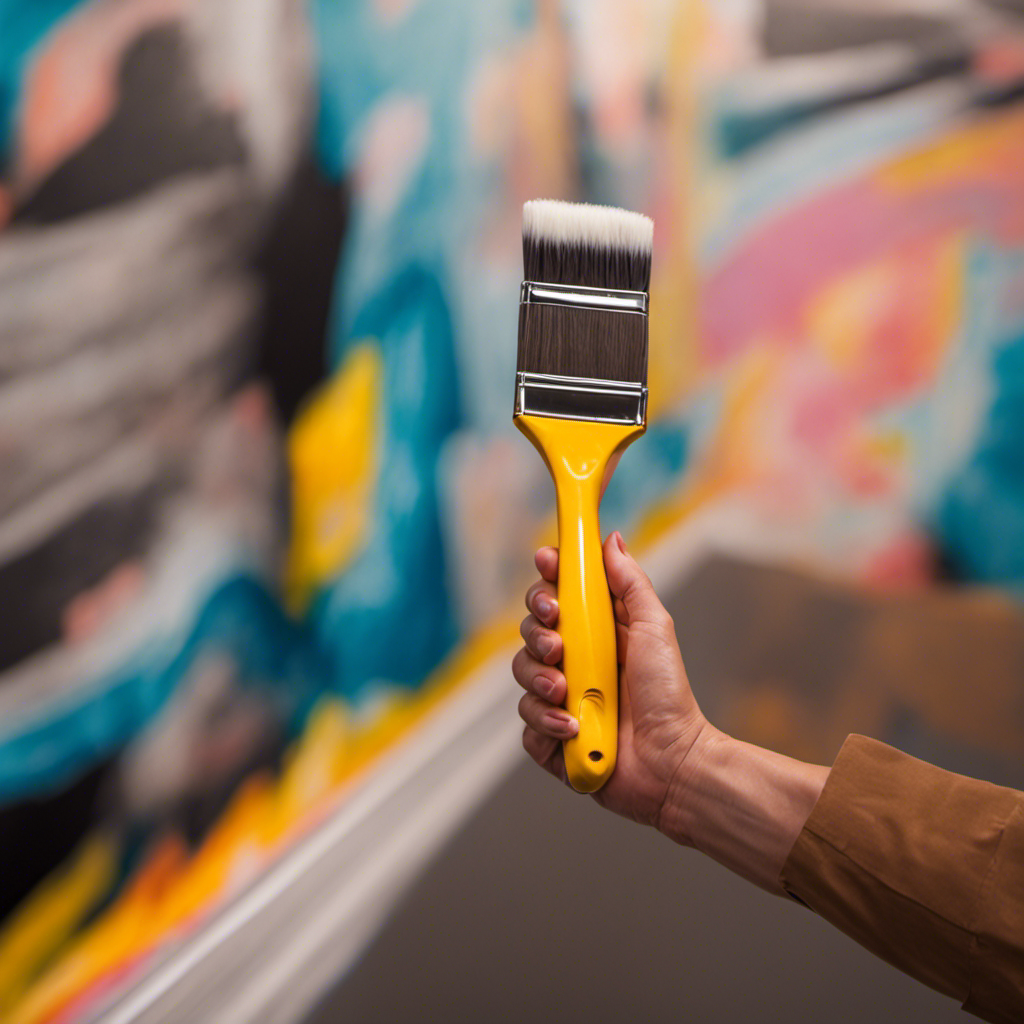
(595, 755)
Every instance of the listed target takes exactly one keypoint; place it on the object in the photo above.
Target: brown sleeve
(925, 869)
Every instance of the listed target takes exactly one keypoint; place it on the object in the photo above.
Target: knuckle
(539, 641)
(519, 663)
(526, 704)
(656, 631)
(660, 617)
(633, 589)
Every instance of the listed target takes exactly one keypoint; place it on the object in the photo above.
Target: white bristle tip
(585, 224)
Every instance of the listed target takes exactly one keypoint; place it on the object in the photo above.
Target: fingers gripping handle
(577, 453)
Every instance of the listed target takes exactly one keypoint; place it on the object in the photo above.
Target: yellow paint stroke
(674, 356)
(44, 922)
(118, 935)
(841, 317)
(233, 851)
(542, 114)
(945, 312)
(890, 446)
(333, 453)
(310, 770)
(974, 149)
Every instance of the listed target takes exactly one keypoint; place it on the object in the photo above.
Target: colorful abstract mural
(262, 506)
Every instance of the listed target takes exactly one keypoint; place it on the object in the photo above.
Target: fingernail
(559, 721)
(620, 542)
(545, 645)
(545, 607)
(546, 687)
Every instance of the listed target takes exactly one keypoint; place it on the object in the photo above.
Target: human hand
(659, 720)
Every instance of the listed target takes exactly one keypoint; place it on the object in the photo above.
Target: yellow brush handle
(577, 454)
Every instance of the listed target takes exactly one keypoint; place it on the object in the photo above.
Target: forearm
(917, 864)
(741, 805)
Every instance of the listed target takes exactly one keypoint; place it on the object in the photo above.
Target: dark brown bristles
(555, 262)
(590, 343)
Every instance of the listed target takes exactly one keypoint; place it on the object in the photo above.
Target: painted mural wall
(261, 503)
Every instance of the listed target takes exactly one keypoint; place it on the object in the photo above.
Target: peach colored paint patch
(89, 611)
(1002, 61)
(390, 12)
(489, 105)
(614, 62)
(394, 144)
(71, 87)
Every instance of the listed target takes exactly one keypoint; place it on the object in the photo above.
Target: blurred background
(265, 523)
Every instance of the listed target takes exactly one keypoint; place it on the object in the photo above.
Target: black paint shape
(162, 126)
(297, 264)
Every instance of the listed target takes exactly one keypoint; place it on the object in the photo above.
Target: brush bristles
(590, 343)
(593, 246)
(596, 247)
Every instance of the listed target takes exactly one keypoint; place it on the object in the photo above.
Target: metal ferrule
(579, 398)
(583, 298)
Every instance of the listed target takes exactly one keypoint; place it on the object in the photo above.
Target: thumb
(629, 583)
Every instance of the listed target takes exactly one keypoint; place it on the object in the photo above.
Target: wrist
(679, 817)
(741, 805)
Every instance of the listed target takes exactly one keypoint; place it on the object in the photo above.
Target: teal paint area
(650, 469)
(361, 62)
(981, 516)
(240, 621)
(23, 24)
(389, 618)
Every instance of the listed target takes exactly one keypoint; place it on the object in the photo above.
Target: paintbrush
(581, 397)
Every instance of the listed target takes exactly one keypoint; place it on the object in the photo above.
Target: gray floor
(545, 908)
